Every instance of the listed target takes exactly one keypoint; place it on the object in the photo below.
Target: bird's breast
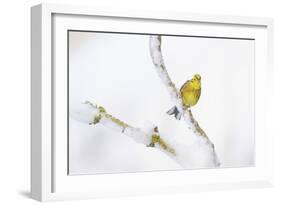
(190, 97)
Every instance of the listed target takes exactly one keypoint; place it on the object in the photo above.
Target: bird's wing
(199, 93)
(186, 86)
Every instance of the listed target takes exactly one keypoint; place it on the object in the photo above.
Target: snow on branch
(149, 137)
(196, 151)
(158, 61)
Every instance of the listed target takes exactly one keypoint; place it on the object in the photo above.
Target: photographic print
(151, 102)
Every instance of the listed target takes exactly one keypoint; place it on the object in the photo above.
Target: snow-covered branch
(158, 61)
(148, 136)
(196, 151)
(188, 154)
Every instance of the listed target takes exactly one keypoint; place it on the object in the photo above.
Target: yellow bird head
(197, 77)
(196, 81)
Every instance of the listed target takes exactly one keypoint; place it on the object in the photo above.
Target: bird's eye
(197, 77)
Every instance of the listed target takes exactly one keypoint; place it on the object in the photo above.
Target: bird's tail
(174, 111)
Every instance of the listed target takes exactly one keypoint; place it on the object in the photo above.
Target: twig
(158, 61)
(150, 138)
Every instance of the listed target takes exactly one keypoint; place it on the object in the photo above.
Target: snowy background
(116, 71)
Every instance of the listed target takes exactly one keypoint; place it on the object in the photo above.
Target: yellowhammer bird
(190, 94)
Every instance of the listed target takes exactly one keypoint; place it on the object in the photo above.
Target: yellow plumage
(191, 91)
(190, 94)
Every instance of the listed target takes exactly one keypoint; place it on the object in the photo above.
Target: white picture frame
(49, 177)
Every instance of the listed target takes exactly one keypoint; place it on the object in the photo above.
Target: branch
(150, 138)
(158, 61)
(194, 152)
